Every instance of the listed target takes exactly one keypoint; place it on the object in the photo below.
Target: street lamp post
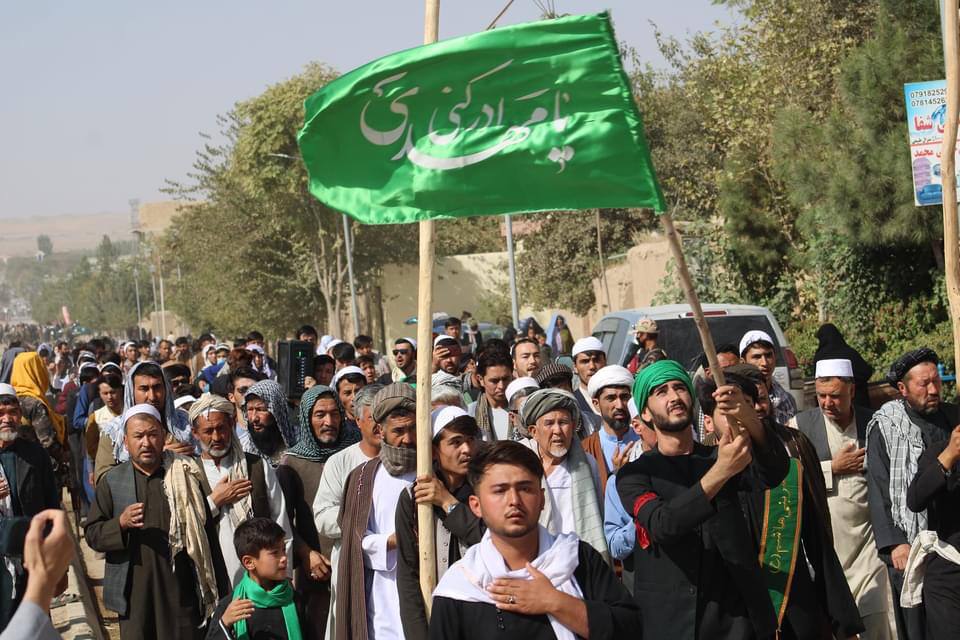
(136, 288)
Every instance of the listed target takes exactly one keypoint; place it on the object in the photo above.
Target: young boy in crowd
(262, 604)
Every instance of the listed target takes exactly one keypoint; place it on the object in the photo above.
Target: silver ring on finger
(512, 600)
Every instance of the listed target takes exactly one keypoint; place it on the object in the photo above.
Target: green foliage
(558, 263)
(782, 142)
(99, 294)
(45, 244)
(256, 247)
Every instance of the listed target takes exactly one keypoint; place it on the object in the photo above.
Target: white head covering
(612, 375)
(332, 343)
(440, 338)
(520, 384)
(140, 410)
(838, 368)
(589, 343)
(7, 390)
(413, 343)
(182, 400)
(346, 371)
(90, 365)
(442, 416)
(751, 337)
(105, 366)
(324, 343)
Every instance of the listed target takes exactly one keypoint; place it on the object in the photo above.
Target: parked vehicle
(679, 337)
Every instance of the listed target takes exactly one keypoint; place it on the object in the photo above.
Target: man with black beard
(897, 435)
(268, 422)
(367, 602)
(238, 485)
(610, 446)
(691, 532)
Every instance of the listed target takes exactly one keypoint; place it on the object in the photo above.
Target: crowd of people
(603, 500)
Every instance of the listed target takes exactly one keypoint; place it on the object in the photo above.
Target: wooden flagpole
(686, 283)
(425, 525)
(951, 242)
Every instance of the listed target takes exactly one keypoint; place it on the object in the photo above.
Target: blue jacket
(618, 527)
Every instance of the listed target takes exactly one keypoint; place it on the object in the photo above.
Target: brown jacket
(591, 444)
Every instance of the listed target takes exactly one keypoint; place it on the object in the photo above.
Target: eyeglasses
(397, 352)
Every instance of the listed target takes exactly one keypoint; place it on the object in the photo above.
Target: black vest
(812, 425)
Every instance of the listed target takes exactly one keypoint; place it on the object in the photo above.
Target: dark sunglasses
(397, 352)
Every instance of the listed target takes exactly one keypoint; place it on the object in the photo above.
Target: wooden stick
(425, 524)
(686, 283)
(951, 243)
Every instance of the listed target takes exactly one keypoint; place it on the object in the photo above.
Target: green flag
(533, 117)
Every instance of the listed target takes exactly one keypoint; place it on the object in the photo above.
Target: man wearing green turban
(691, 533)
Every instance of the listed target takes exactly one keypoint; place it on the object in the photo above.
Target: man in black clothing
(936, 489)
(896, 436)
(696, 569)
(520, 582)
(27, 487)
(455, 441)
(815, 601)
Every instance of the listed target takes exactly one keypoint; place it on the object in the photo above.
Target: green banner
(533, 117)
(780, 540)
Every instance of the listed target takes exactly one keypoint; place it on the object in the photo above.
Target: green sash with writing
(780, 539)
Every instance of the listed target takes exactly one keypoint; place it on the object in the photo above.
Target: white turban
(612, 375)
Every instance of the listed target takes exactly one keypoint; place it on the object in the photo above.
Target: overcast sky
(103, 100)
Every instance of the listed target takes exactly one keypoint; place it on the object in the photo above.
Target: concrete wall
(462, 282)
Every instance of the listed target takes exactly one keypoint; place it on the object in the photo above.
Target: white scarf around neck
(558, 557)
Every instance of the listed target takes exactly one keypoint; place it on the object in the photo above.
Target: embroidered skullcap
(443, 416)
(141, 410)
(518, 385)
(352, 370)
(835, 368)
(584, 345)
(753, 337)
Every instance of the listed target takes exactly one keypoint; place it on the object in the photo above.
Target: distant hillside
(68, 232)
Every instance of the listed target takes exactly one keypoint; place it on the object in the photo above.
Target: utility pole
(512, 264)
(136, 288)
(348, 245)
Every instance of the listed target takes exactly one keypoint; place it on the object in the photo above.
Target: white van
(680, 339)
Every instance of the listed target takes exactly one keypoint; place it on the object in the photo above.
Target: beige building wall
(461, 282)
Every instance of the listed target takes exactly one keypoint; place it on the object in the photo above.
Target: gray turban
(398, 395)
(211, 402)
(542, 402)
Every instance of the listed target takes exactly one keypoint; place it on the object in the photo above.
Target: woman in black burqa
(833, 346)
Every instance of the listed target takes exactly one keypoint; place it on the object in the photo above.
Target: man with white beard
(238, 485)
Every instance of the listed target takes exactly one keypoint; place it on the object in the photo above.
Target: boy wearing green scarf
(262, 606)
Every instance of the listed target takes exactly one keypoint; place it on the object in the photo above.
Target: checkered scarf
(904, 443)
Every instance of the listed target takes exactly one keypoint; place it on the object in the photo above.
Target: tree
(287, 261)
(557, 265)
(45, 244)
